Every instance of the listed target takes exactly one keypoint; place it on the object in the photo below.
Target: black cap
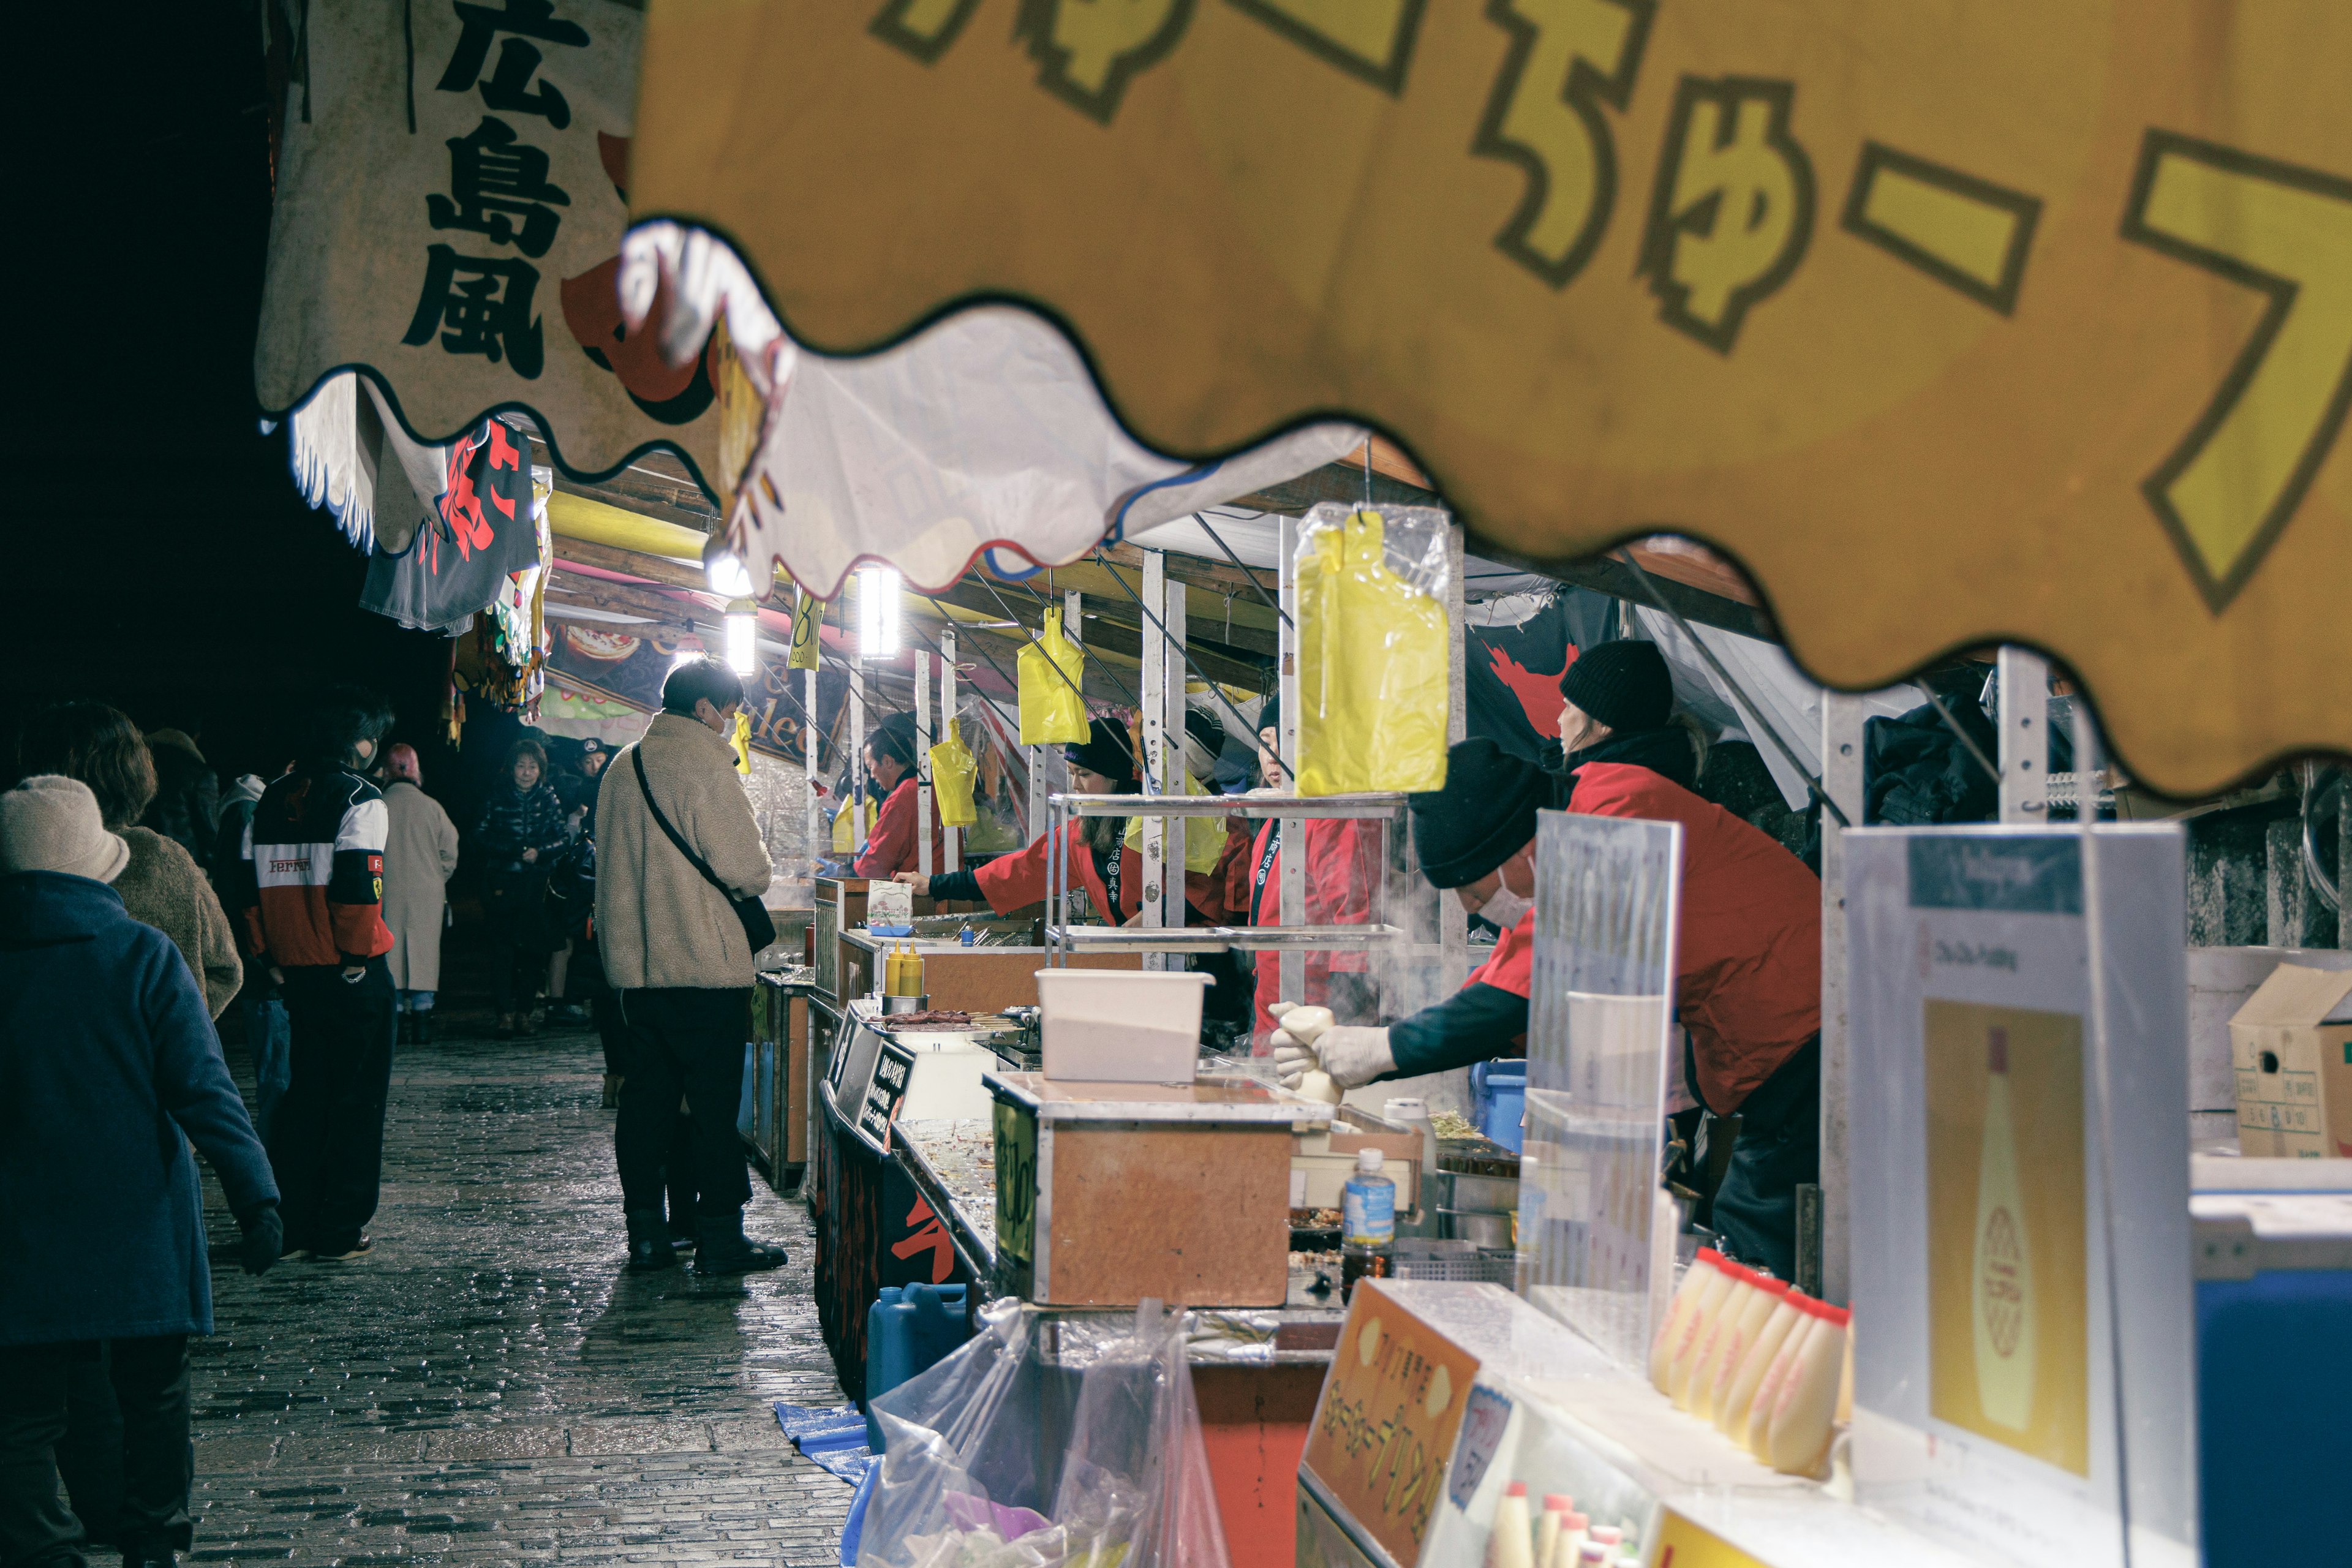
(1105, 753)
(1483, 816)
(590, 746)
(1624, 685)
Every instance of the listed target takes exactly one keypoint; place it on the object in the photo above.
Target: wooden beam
(1608, 575)
(595, 593)
(644, 488)
(635, 563)
(1251, 635)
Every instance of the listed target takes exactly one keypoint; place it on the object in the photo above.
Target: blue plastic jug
(909, 1330)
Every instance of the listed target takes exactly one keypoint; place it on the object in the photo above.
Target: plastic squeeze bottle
(1573, 1526)
(1367, 1205)
(1547, 1526)
(1698, 1331)
(1510, 1544)
(1746, 1293)
(1306, 1025)
(1734, 1398)
(1704, 1276)
(2001, 1305)
(1758, 1433)
(1799, 1439)
(1734, 1336)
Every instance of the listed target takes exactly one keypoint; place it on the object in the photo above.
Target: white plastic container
(1120, 1026)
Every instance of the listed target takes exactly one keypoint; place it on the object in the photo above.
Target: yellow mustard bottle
(2002, 1306)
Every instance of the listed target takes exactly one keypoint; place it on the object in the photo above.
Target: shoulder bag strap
(646, 789)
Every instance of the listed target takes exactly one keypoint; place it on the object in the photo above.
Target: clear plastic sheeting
(1373, 654)
(1594, 1219)
(1011, 1454)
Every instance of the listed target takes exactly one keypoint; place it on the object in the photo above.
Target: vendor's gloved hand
(1354, 1055)
(265, 1238)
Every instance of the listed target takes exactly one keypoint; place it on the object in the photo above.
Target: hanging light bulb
(878, 612)
(690, 648)
(743, 637)
(725, 572)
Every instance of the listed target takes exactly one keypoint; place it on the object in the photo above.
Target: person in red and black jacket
(892, 846)
(309, 890)
(1747, 945)
(1111, 875)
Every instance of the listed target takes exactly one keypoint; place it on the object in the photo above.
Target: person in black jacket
(521, 825)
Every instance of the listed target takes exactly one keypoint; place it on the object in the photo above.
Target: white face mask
(1505, 909)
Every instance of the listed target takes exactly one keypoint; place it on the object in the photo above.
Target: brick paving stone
(489, 1384)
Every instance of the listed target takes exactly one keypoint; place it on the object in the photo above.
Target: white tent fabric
(351, 456)
(1771, 691)
(984, 431)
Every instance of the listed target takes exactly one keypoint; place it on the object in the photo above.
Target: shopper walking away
(311, 893)
(161, 886)
(259, 1006)
(187, 792)
(109, 1068)
(521, 825)
(677, 845)
(420, 851)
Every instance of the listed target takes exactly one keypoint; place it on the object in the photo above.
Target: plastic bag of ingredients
(1051, 674)
(954, 767)
(1373, 646)
(1035, 1447)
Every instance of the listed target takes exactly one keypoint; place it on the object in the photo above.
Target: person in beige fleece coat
(676, 954)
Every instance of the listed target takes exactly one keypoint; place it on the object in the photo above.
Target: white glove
(1354, 1057)
(1293, 1043)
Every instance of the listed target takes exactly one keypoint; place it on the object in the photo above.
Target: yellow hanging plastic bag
(845, 828)
(1205, 837)
(954, 767)
(1051, 675)
(1373, 651)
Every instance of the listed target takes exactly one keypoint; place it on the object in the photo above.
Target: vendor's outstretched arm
(1476, 1023)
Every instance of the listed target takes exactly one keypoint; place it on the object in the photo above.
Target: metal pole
(1178, 829)
(809, 774)
(1154, 718)
(923, 764)
(2025, 691)
(858, 758)
(952, 837)
(1292, 829)
(1453, 919)
(1842, 719)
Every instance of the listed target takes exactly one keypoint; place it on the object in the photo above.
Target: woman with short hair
(522, 824)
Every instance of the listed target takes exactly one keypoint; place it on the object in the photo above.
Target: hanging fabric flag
(484, 529)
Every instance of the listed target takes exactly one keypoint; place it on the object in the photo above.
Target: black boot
(421, 1029)
(649, 1248)
(723, 1249)
(407, 1035)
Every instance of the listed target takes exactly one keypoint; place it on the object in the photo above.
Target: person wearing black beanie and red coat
(1747, 949)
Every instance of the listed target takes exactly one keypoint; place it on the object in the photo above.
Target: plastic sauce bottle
(1734, 1336)
(1737, 1396)
(1555, 1505)
(1799, 1438)
(1758, 1435)
(1509, 1545)
(1694, 1282)
(1697, 1329)
(1698, 1385)
(1703, 1276)
(1564, 1549)
(2000, 1296)
(1592, 1554)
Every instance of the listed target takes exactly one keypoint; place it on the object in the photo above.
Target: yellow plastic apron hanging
(1371, 668)
(1052, 711)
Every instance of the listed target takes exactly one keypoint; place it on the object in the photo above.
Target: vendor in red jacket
(1747, 949)
(1111, 874)
(1343, 870)
(892, 847)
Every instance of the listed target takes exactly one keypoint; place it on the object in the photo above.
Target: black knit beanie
(1481, 817)
(1624, 685)
(1105, 753)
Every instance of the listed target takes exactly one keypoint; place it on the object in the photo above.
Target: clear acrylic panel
(1596, 1226)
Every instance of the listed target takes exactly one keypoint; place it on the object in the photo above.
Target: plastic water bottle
(1367, 1222)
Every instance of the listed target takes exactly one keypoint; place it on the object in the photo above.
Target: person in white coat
(420, 851)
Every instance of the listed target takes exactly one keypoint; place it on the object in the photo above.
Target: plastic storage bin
(909, 1330)
(1500, 1092)
(1120, 1026)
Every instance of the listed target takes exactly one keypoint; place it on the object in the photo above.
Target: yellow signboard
(1952, 323)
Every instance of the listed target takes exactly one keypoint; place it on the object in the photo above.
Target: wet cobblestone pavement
(489, 1384)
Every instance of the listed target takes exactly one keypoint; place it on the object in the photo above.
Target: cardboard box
(2291, 1047)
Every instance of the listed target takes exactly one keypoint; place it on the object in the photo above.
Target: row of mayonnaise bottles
(1766, 1363)
(1559, 1537)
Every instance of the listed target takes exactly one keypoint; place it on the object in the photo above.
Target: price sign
(1953, 323)
(894, 1068)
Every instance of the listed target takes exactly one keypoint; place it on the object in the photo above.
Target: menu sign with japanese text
(1385, 1427)
(1953, 323)
(450, 206)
